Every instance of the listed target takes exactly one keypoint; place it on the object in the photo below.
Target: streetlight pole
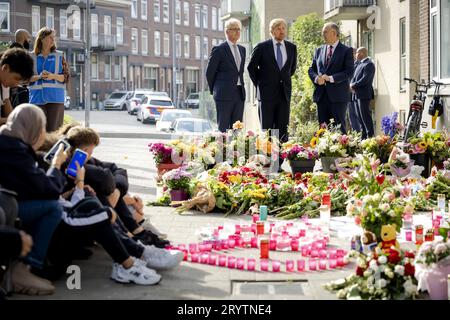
(202, 45)
(174, 63)
(87, 64)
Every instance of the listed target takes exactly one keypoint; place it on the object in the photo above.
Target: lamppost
(202, 44)
(174, 64)
(87, 64)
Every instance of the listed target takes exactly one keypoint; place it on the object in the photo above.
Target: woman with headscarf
(51, 73)
(37, 191)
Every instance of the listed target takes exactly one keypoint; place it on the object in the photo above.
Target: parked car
(192, 101)
(151, 107)
(168, 116)
(137, 96)
(133, 105)
(67, 103)
(192, 126)
(118, 100)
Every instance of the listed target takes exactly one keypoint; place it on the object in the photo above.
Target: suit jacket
(363, 79)
(222, 73)
(340, 67)
(265, 73)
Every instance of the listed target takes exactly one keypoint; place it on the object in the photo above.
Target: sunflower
(313, 142)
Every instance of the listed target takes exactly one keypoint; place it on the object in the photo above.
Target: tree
(306, 33)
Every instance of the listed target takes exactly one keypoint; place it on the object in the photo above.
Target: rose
(409, 269)
(382, 260)
(400, 270)
(394, 257)
(440, 248)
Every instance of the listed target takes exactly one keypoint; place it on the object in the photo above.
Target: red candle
(294, 245)
(264, 249)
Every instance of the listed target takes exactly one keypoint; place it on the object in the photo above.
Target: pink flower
(374, 165)
(405, 191)
(344, 139)
(250, 133)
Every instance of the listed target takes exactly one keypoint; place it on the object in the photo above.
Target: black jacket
(19, 172)
(265, 73)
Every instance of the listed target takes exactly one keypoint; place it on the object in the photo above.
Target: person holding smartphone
(37, 191)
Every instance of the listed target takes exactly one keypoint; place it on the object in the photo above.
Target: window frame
(166, 9)
(34, 32)
(134, 9)
(403, 53)
(144, 11)
(119, 31)
(136, 41)
(157, 45)
(8, 17)
(178, 12)
(94, 43)
(156, 11)
(187, 52)
(143, 31)
(436, 51)
(166, 40)
(186, 13)
(63, 32)
(107, 57)
(50, 13)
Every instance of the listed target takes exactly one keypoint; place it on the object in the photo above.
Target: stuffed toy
(388, 238)
(369, 241)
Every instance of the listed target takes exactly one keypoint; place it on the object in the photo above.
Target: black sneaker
(148, 238)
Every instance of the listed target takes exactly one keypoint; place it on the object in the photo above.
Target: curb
(132, 135)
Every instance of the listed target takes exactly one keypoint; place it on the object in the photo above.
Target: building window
(156, 11)
(150, 78)
(134, 8)
(4, 17)
(166, 11)
(205, 48)
(214, 18)
(178, 12)
(107, 67)
(119, 30)
(117, 69)
(205, 16)
(187, 47)
(440, 39)
(178, 45)
(77, 25)
(144, 39)
(434, 21)
(197, 47)
(192, 81)
(166, 44)
(367, 42)
(134, 41)
(402, 53)
(94, 30)
(94, 66)
(197, 15)
(186, 13)
(144, 9)
(157, 43)
(63, 23)
(49, 18)
(219, 15)
(107, 26)
(35, 19)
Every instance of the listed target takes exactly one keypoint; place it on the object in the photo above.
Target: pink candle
(301, 265)
(255, 218)
(239, 242)
(322, 254)
(204, 258)
(273, 244)
(264, 265)
(224, 244)
(340, 253)
(333, 254)
(192, 247)
(253, 229)
(222, 261)
(276, 266)
(217, 245)
(240, 263)
(305, 251)
(312, 264)
(314, 253)
(208, 247)
(251, 264)
(194, 257)
(289, 265)
(333, 263)
(185, 255)
(201, 247)
(323, 264)
(237, 229)
(254, 242)
(302, 233)
(231, 243)
(340, 262)
(408, 235)
(231, 262)
(294, 245)
(212, 259)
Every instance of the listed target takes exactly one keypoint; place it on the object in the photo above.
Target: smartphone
(51, 154)
(79, 156)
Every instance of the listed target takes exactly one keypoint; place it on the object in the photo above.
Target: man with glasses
(225, 76)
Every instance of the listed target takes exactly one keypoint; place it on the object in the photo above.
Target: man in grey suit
(361, 85)
(225, 76)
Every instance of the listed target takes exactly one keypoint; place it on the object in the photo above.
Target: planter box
(302, 166)
(178, 195)
(328, 164)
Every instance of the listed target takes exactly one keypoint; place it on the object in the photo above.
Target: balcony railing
(335, 4)
(80, 3)
(105, 42)
(235, 8)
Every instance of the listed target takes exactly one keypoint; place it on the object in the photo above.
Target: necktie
(279, 56)
(330, 54)
(237, 57)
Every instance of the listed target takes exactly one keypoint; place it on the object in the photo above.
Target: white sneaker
(157, 258)
(137, 274)
(137, 262)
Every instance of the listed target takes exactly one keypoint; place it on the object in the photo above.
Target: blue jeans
(39, 218)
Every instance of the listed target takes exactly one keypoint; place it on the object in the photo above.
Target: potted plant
(301, 158)
(162, 154)
(178, 181)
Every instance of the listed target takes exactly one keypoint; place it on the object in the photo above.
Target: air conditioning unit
(80, 57)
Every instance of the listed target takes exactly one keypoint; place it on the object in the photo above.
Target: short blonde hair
(275, 23)
(231, 23)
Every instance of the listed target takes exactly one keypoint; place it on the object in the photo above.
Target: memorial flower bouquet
(178, 179)
(332, 143)
(161, 153)
(298, 152)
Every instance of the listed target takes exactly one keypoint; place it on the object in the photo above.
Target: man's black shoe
(148, 238)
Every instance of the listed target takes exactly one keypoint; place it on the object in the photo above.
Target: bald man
(23, 40)
(361, 85)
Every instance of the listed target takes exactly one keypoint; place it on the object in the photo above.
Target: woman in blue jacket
(51, 73)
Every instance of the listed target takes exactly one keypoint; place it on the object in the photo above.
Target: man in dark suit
(361, 85)
(331, 71)
(271, 67)
(353, 105)
(225, 76)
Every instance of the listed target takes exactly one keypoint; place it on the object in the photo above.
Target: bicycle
(416, 107)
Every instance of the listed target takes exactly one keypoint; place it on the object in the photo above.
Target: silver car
(118, 100)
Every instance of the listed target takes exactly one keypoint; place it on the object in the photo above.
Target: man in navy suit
(271, 67)
(361, 85)
(224, 74)
(331, 71)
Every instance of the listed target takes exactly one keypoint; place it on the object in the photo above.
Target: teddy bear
(369, 241)
(389, 238)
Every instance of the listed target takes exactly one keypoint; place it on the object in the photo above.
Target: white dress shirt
(283, 50)
(326, 55)
(231, 45)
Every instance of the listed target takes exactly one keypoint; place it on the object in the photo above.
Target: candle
(259, 227)
(294, 245)
(231, 262)
(301, 265)
(276, 266)
(201, 247)
(323, 264)
(231, 243)
(251, 264)
(340, 253)
(209, 247)
(322, 254)
(181, 247)
(204, 258)
(305, 250)
(185, 255)
(273, 244)
(212, 259)
(192, 247)
(237, 229)
(312, 264)
(217, 245)
(194, 257)
(264, 248)
(264, 264)
(340, 262)
(408, 235)
(289, 265)
(333, 263)
(302, 233)
(333, 254)
(255, 218)
(222, 261)
(314, 253)
(254, 242)
(240, 263)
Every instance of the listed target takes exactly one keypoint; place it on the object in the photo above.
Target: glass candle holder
(204, 258)
(237, 229)
(217, 245)
(300, 265)
(289, 265)
(332, 254)
(294, 245)
(340, 253)
(222, 261)
(264, 265)
(323, 254)
(276, 266)
(231, 262)
(254, 242)
(333, 263)
(340, 262)
(213, 259)
(231, 243)
(209, 247)
(305, 251)
(240, 263)
(181, 247)
(185, 255)
(251, 264)
(194, 257)
(408, 235)
(314, 253)
(312, 264)
(201, 247)
(273, 244)
(255, 218)
(192, 248)
(323, 264)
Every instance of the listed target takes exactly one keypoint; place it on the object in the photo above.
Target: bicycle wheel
(412, 127)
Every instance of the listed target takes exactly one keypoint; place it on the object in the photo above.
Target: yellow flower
(235, 179)
(423, 145)
(238, 125)
(313, 142)
(320, 132)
